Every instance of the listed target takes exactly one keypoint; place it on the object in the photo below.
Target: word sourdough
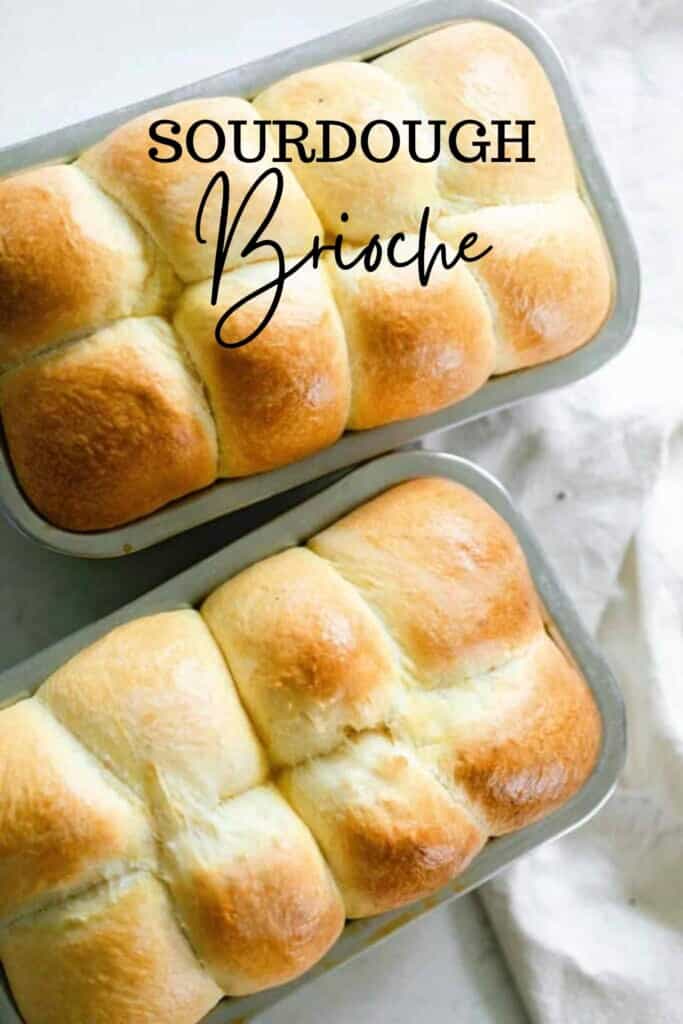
(379, 140)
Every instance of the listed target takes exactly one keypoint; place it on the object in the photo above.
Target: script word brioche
(193, 805)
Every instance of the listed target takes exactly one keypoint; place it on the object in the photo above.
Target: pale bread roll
(154, 701)
(477, 71)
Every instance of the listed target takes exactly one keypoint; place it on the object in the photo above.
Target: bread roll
(389, 830)
(154, 701)
(112, 956)
(514, 743)
(474, 70)
(165, 197)
(444, 573)
(378, 197)
(254, 892)
(309, 658)
(547, 277)
(64, 824)
(109, 428)
(413, 349)
(70, 261)
(286, 393)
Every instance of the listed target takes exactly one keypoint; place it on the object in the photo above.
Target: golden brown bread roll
(188, 811)
(438, 339)
(513, 743)
(70, 261)
(64, 823)
(103, 239)
(308, 657)
(455, 593)
(389, 830)
(120, 939)
(257, 898)
(378, 197)
(109, 428)
(165, 197)
(478, 71)
(547, 276)
(298, 362)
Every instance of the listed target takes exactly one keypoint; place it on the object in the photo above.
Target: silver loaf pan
(297, 525)
(364, 39)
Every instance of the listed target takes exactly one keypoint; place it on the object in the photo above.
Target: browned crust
(270, 924)
(165, 197)
(413, 349)
(285, 394)
(390, 831)
(115, 957)
(99, 434)
(58, 279)
(532, 762)
(547, 276)
(256, 896)
(72, 259)
(61, 825)
(445, 572)
(398, 862)
(47, 276)
(308, 657)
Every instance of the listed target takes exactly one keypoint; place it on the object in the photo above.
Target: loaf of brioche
(87, 247)
(193, 805)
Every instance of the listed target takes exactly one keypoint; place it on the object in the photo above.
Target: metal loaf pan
(297, 525)
(364, 39)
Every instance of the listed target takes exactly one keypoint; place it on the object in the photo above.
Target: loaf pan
(364, 39)
(297, 525)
